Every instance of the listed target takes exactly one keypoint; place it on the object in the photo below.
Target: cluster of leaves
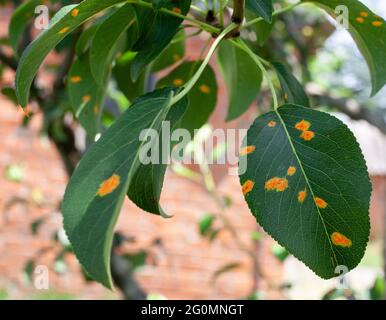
(306, 180)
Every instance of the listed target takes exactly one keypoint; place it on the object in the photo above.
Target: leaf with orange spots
(37, 51)
(368, 31)
(156, 30)
(292, 89)
(242, 78)
(202, 97)
(108, 170)
(85, 95)
(311, 195)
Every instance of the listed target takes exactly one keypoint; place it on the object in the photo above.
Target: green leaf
(378, 290)
(156, 30)
(261, 8)
(63, 23)
(306, 182)
(262, 29)
(19, 21)
(242, 77)
(104, 43)
(369, 32)
(173, 53)
(86, 95)
(96, 190)
(292, 89)
(205, 223)
(202, 97)
(146, 186)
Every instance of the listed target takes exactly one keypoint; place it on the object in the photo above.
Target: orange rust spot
(302, 196)
(204, 89)
(303, 125)
(247, 150)
(339, 239)
(286, 96)
(176, 57)
(377, 23)
(364, 14)
(109, 185)
(360, 20)
(247, 187)
(76, 79)
(320, 203)
(272, 124)
(96, 109)
(75, 12)
(177, 82)
(291, 171)
(176, 10)
(86, 99)
(307, 135)
(277, 184)
(64, 30)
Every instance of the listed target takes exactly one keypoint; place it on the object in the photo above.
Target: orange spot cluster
(272, 124)
(204, 89)
(109, 185)
(247, 150)
(276, 184)
(76, 79)
(178, 82)
(320, 203)
(339, 239)
(302, 196)
(362, 18)
(75, 12)
(86, 98)
(247, 187)
(291, 171)
(64, 30)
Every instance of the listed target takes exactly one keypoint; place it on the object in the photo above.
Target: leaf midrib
(307, 182)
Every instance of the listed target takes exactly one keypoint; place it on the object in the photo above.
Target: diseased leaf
(293, 91)
(86, 95)
(96, 191)
(64, 22)
(202, 97)
(261, 8)
(242, 78)
(306, 182)
(105, 41)
(369, 32)
(156, 30)
(23, 14)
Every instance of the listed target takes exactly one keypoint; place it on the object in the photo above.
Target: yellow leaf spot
(360, 20)
(96, 109)
(176, 10)
(339, 239)
(75, 79)
(75, 12)
(247, 150)
(204, 89)
(364, 14)
(286, 96)
(320, 203)
(291, 171)
(307, 135)
(277, 184)
(377, 23)
(64, 30)
(247, 187)
(178, 82)
(303, 125)
(302, 196)
(271, 124)
(86, 99)
(109, 185)
(176, 57)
